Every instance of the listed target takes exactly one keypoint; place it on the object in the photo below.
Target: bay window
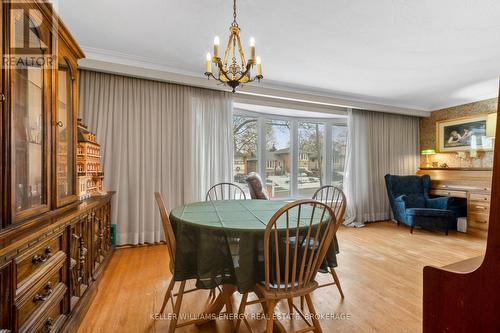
(294, 156)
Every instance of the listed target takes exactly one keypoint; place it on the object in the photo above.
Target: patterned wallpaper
(453, 160)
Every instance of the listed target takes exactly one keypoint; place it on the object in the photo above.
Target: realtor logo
(30, 41)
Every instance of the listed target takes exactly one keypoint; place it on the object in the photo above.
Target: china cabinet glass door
(3, 196)
(29, 46)
(65, 135)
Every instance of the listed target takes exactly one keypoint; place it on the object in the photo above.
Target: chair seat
(429, 212)
(273, 293)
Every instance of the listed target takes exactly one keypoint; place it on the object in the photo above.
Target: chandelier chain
(234, 12)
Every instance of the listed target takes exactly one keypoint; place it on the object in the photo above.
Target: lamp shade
(428, 152)
(491, 125)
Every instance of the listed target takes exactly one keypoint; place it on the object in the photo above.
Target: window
(339, 149)
(295, 156)
(310, 173)
(278, 158)
(245, 148)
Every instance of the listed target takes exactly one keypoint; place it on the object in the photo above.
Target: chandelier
(235, 71)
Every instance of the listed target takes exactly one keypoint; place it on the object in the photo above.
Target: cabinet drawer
(38, 257)
(50, 316)
(40, 293)
(479, 197)
(478, 207)
(477, 221)
(445, 193)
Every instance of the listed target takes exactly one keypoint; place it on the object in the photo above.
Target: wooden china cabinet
(53, 247)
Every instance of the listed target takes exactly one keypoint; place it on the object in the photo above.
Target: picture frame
(463, 134)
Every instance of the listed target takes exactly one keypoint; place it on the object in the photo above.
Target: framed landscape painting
(462, 134)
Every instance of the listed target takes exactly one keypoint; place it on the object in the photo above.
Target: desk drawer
(479, 207)
(446, 193)
(480, 197)
(478, 221)
(37, 258)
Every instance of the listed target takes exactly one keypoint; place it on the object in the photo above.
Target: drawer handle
(481, 207)
(481, 221)
(46, 294)
(41, 258)
(47, 327)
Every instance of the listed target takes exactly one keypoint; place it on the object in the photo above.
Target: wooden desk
(473, 185)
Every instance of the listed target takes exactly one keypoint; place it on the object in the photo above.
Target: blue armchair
(411, 204)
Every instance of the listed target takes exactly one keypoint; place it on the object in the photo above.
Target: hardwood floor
(380, 269)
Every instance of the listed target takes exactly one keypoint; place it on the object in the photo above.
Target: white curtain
(155, 136)
(378, 144)
(213, 140)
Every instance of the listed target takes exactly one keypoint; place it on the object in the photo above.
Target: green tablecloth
(221, 241)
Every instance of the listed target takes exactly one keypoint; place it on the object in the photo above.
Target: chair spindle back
(304, 241)
(225, 191)
(335, 198)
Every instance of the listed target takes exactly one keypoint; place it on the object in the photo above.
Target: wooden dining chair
(169, 294)
(293, 253)
(225, 191)
(335, 198)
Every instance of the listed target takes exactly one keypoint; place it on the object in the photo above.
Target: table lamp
(428, 153)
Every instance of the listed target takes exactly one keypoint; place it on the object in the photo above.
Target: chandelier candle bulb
(259, 67)
(216, 46)
(209, 63)
(252, 49)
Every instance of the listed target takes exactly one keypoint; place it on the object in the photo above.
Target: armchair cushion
(415, 201)
(439, 203)
(399, 207)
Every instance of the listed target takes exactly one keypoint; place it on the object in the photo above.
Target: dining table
(220, 243)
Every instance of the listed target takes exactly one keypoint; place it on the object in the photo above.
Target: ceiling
(423, 55)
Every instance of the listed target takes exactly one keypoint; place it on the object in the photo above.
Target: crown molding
(140, 67)
(287, 104)
(470, 100)
(485, 94)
